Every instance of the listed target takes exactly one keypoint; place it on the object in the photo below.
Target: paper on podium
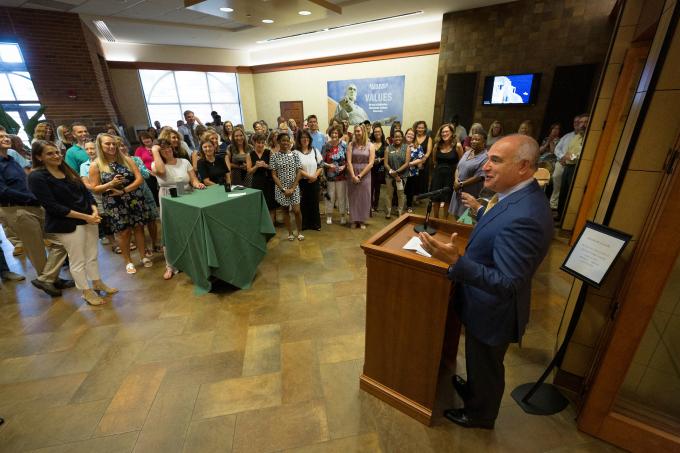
(415, 245)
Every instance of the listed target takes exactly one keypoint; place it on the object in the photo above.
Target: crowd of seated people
(303, 171)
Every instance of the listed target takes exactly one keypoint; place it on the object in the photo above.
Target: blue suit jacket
(493, 278)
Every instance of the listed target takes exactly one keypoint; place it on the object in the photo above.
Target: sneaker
(291, 237)
(300, 237)
(19, 250)
(146, 262)
(92, 298)
(12, 276)
(130, 268)
(47, 287)
(329, 220)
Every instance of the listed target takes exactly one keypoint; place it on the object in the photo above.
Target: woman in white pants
(334, 155)
(71, 214)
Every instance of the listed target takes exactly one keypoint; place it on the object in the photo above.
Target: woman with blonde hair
(495, 133)
(43, 131)
(64, 138)
(360, 158)
(176, 142)
(118, 179)
(526, 127)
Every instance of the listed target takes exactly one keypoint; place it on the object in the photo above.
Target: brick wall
(62, 55)
(521, 37)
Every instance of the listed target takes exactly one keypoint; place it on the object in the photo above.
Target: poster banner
(375, 99)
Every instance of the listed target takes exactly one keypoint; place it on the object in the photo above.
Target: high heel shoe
(92, 298)
(99, 285)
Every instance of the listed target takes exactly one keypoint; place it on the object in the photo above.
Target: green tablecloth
(212, 233)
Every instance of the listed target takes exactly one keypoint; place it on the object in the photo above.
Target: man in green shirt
(76, 155)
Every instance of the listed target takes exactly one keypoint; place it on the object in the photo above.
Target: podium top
(389, 241)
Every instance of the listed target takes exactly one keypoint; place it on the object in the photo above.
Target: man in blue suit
(493, 278)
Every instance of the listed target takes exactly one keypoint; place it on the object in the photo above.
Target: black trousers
(411, 189)
(485, 378)
(309, 205)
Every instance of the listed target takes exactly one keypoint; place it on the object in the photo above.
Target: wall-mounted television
(511, 89)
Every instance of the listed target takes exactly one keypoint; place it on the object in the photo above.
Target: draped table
(213, 233)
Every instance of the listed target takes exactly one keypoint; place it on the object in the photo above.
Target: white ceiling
(168, 22)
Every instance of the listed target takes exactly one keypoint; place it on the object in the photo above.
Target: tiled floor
(272, 368)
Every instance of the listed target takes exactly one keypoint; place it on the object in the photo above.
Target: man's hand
(470, 201)
(447, 253)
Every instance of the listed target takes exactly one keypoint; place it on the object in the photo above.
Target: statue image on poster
(375, 99)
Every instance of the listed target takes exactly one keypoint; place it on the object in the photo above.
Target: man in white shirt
(560, 151)
(188, 130)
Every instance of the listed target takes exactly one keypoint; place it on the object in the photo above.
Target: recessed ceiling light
(227, 10)
(304, 13)
(267, 21)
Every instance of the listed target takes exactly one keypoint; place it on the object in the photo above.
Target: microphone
(442, 191)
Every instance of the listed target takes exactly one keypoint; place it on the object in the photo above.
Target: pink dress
(360, 194)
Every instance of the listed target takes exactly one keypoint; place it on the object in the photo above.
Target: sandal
(300, 237)
(130, 268)
(115, 249)
(291, 237)
(146, 262)
(148, 253)
(133, 247)
(169, 273)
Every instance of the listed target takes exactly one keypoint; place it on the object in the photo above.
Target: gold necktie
(491, 204)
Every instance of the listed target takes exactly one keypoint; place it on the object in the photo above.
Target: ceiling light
(267, 21)
(104, 30)
(304, 13)
(227, 10)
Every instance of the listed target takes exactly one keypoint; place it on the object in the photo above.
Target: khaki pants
(10, 234)
(82, 248)
(28, 222)
(557, 184)
(337, 191)
(388, 193)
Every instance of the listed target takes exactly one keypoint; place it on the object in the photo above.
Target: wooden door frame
(652, 262)
(622, 99)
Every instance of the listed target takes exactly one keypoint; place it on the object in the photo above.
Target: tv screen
(513, 89)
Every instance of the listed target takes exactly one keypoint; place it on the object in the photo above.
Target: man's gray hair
(527, 150)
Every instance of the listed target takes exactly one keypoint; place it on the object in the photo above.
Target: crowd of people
(71, 188)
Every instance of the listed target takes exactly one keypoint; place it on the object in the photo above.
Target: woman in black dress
(447, 152)
(212, 168)
(378, 170)
(257, 163)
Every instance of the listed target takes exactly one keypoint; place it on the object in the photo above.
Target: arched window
(169, 93)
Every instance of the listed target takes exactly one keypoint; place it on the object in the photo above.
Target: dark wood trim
(171, 66)
(396, 400)
(373, 55)
(568, 381)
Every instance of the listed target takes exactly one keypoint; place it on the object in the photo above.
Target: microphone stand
(425, 226)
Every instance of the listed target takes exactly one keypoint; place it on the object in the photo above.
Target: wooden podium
(409, 326)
